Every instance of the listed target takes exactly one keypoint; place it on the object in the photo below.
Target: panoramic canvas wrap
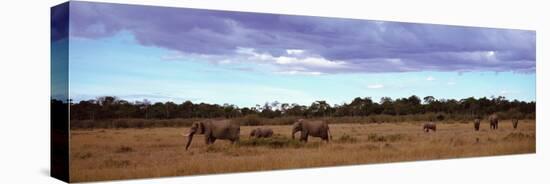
(145, 91)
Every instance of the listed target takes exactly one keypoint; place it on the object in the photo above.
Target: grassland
(105, 154)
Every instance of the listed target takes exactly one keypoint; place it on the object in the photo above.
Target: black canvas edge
(59, 104)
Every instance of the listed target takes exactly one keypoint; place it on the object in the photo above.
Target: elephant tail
(329, 134)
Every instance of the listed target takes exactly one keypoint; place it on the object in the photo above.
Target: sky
(178, 54)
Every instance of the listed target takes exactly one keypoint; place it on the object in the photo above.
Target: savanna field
(105, 154)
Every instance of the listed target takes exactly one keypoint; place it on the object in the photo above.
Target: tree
(429, 99)
(284, 107)
(110, 107)
(170, 109)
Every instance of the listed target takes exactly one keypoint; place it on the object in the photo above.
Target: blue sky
(248, 58)
(119, 66)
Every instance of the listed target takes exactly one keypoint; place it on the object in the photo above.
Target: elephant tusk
(186, 135)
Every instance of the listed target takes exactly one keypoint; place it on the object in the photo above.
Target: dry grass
(107, 154)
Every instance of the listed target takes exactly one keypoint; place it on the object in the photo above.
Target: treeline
(109, 107)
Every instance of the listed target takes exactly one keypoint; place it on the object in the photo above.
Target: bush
(110, 163)
(255, 120)
(385, 138)
(285, 120)
(518, 136)
(124, 149)
(273, 142)
(346, 139)
(249, 120)
(131, 123)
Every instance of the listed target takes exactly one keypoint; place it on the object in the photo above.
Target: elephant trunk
(293, 132)
(189, 139)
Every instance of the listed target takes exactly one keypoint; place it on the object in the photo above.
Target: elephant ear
(300, 123)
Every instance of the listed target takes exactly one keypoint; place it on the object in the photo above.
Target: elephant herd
(227, 130)
(493, 123)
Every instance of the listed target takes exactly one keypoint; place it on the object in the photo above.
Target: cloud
(292, 57)
(294, 51)
(362, 46)
(293, 63)
(450, 83)
(375, 86)
(430, 78)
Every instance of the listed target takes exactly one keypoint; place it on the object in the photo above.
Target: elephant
(311, 128)
(493, 121)
(515, 123)
(214, 129)
(261, 132)
(429, 126)
(477, 122)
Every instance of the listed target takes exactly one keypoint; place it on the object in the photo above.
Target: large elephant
(477, 122)
(429, 126)
(515, 123)
(261, 132)
(311, 128)
(214, 129)
(493, 121)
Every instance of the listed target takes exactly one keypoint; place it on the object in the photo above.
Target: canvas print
(147, 91)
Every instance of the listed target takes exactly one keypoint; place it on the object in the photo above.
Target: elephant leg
(303, 136)
(302, 139)
(207, 139)
(325, 138)
(212, 140)
(235, 140)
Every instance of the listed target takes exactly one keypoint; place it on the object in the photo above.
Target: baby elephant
(477, 121)
(429, 126)
(515, 123)
(261, 132)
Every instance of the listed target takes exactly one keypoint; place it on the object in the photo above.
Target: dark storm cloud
(59, 21)
(356, 45)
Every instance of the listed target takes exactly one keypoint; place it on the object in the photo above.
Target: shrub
(124, 149)
(346, 139)
(273, 142)
(518, 136)
(116, 163)
(383, 138)
(83, 155)
(249, 120)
